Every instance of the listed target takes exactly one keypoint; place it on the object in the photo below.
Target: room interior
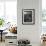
(22, 22)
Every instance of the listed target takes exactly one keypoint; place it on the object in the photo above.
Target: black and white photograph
(28, 16)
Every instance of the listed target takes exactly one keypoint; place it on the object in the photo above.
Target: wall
(30, 32)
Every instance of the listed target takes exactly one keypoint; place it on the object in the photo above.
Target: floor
(2, 43)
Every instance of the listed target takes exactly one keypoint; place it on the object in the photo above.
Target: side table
(1, 34)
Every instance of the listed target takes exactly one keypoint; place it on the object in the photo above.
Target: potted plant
(1, 22)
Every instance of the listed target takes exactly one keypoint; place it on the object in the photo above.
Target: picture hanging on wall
(28, 16)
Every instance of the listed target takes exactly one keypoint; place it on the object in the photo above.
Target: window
(44, 12)
(1, 9)
(44, 16)
(8, 11)
(11, 11)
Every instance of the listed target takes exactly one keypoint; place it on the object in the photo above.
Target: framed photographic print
(28, 16)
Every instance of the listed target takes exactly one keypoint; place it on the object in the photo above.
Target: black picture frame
(28, 16)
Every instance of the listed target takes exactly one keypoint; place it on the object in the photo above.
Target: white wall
(31, 32)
